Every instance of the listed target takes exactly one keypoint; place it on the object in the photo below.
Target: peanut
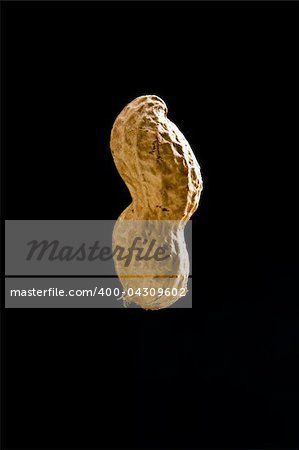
(163, 177)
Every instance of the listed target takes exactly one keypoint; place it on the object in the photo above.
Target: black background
(223, 374)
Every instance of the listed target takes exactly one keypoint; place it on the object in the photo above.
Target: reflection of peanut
(162, 174)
